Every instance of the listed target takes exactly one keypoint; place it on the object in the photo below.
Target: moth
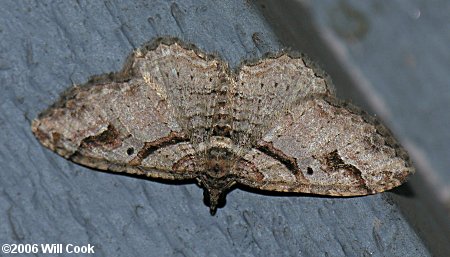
(175, 112)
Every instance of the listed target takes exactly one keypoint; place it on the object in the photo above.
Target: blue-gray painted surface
(47, 47)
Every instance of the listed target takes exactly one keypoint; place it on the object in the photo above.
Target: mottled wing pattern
(327, 148)
(177, 113)
(190, 81)
(268, 88)
(124, 127)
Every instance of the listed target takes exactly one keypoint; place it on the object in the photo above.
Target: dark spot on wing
(108, 139)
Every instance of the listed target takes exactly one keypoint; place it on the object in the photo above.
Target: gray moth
(175, 112)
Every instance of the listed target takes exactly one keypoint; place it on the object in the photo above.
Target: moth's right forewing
(330, 149)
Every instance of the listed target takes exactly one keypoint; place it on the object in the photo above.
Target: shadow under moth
(176, 113)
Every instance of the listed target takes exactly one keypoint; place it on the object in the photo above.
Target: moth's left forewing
(114, 126)
(336, 150)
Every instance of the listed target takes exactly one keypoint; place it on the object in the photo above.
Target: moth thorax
(220, 157)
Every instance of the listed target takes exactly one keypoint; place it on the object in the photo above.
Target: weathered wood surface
(44, 48)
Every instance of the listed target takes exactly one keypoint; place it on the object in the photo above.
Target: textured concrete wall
(47, 47)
